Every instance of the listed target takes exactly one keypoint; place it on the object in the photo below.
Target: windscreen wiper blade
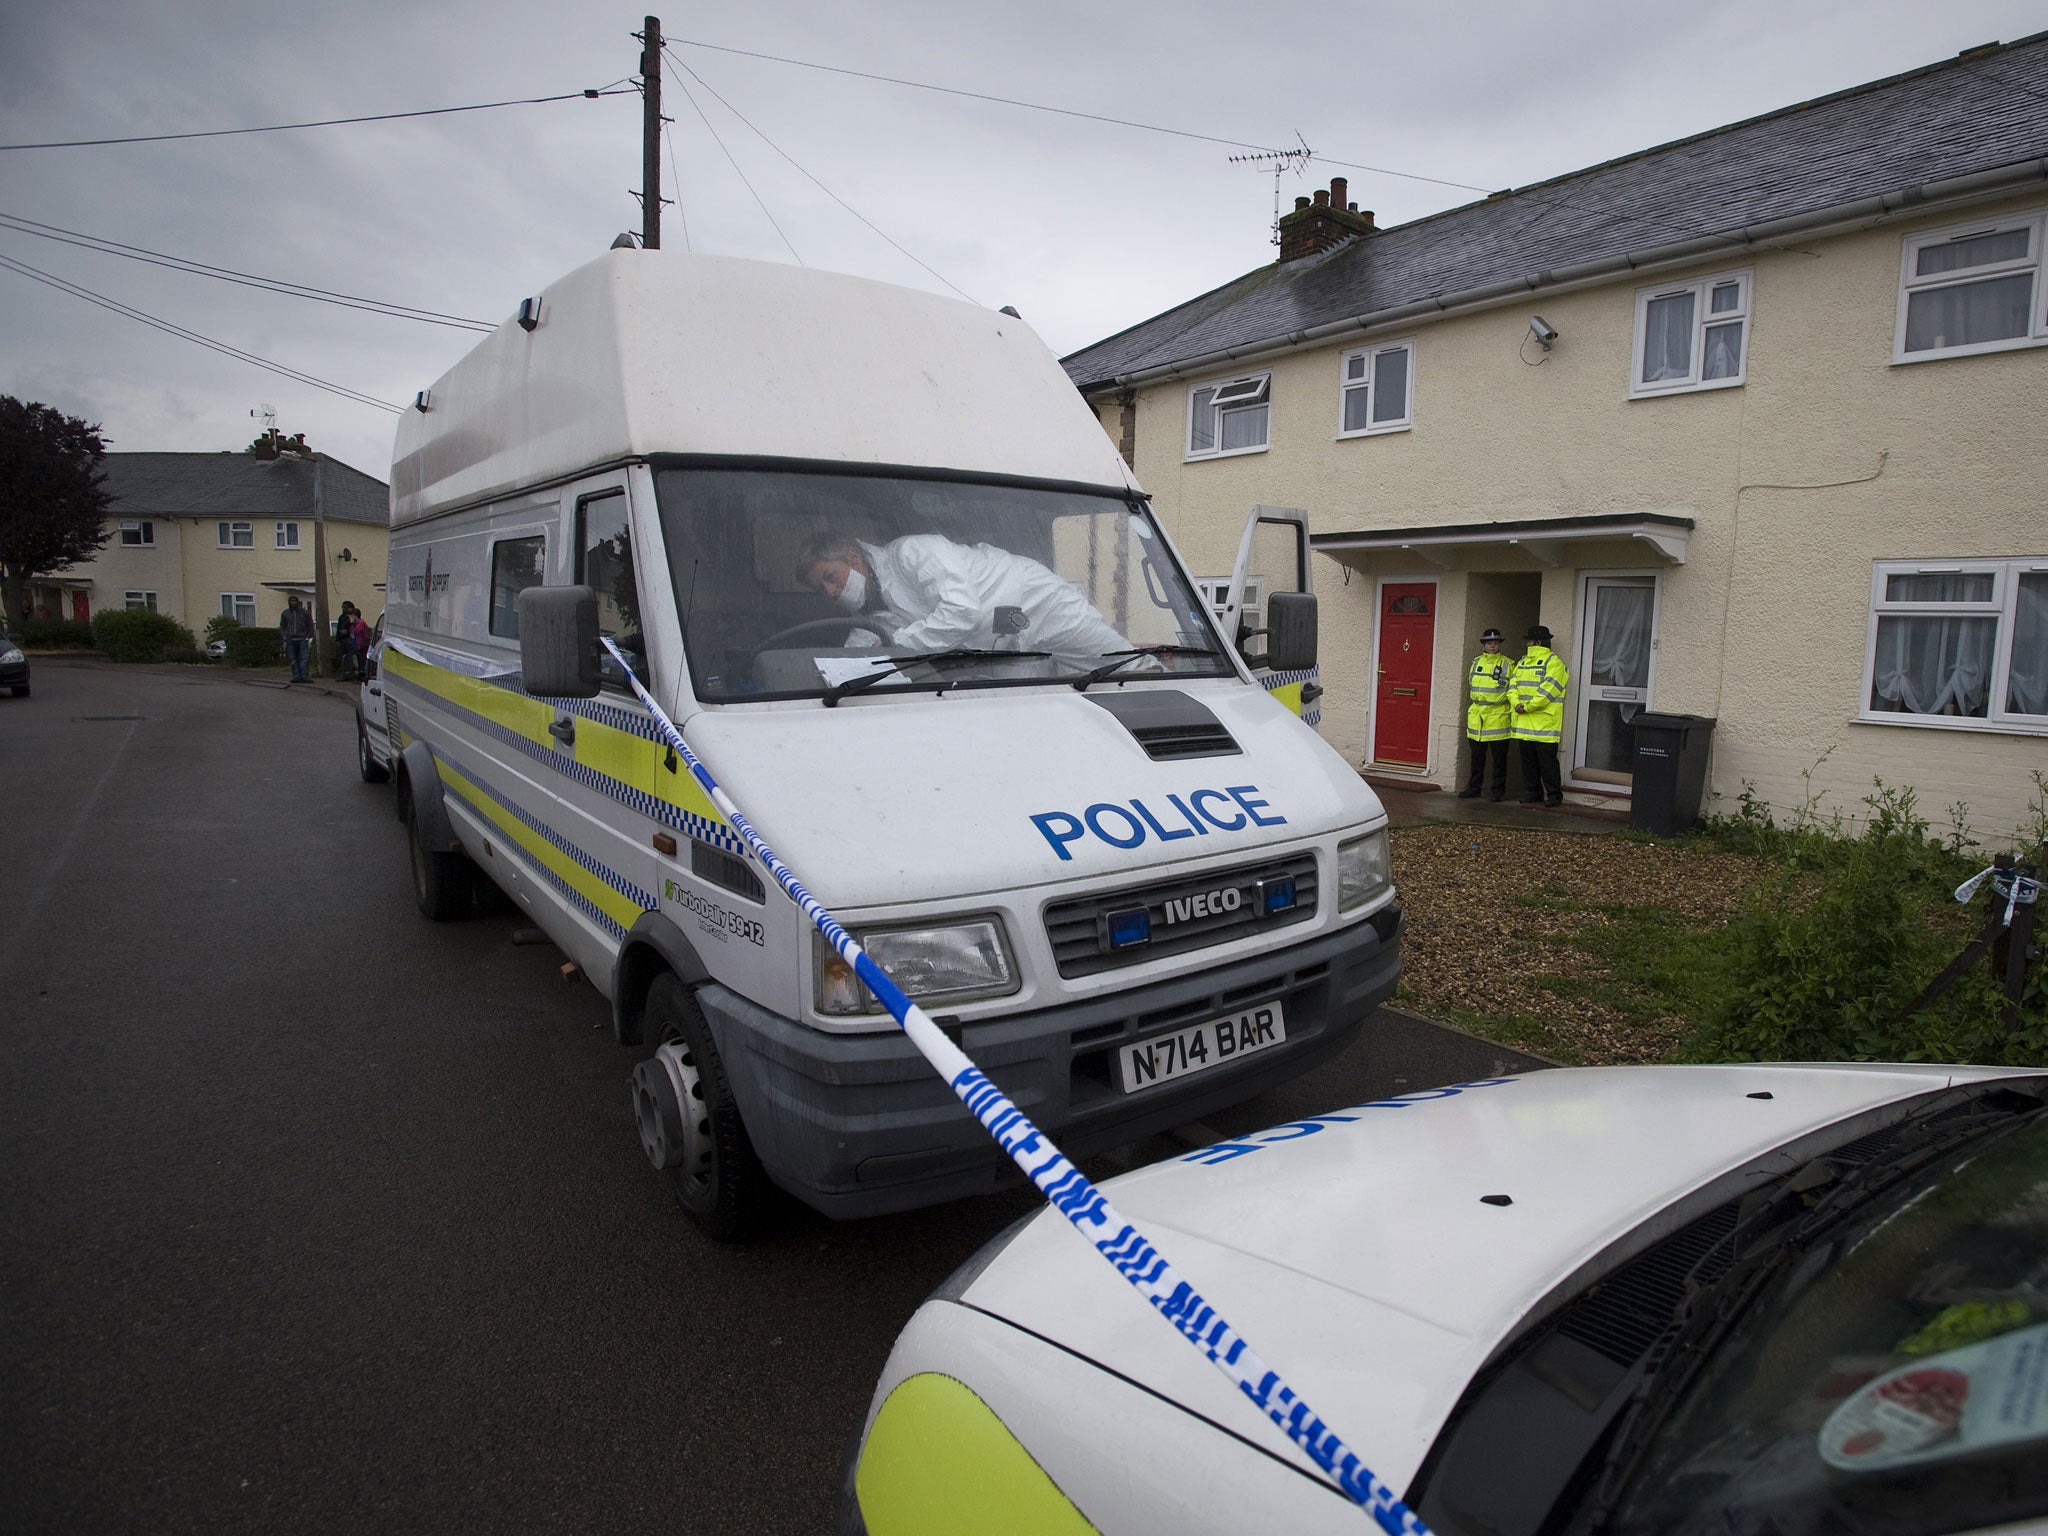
(898, 664)
(1122, 659)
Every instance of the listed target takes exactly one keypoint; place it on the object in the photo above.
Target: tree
(53, 502)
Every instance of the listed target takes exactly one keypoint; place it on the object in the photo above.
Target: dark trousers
(1540, 779)
(1480, 749)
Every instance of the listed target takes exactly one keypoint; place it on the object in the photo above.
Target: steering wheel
(810, 629)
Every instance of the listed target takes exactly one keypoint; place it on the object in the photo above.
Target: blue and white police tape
(1066, 1186)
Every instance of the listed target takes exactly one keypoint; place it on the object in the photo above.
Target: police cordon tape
(1065, 1186)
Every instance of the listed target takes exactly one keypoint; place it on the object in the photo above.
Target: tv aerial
(1280, 160)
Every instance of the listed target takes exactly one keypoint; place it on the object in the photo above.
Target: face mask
(854, 593)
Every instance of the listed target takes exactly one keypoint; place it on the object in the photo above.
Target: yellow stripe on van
(620, 908)
(635, 763)
(938, 1462)
(1288, 694)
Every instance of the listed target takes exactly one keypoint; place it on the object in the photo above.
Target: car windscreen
(1895, 1378)
(793, 583)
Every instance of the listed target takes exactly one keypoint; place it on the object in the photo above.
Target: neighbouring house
(196, 534)
(1755, 422)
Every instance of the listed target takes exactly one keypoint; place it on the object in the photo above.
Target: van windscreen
(790, 583)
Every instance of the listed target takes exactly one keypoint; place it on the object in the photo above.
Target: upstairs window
(1973, 289)
(1230, 417)
(138, 533)
(1959, 644)
(235, 535)
(1376, 387)
(1692, 335)
(287, 535)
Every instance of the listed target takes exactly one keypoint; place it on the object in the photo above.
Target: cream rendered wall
(360, 580)
(211, 570)
(1768, 634)
(120, 568)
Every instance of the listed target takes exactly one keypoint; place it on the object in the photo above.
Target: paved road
(321, 1217)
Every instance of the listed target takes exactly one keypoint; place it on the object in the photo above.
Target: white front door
(1617, 645)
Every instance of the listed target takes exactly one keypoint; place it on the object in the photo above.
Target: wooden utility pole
(650, 134)
(323, 651)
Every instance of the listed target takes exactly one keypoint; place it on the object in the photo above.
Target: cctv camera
(1542, 330)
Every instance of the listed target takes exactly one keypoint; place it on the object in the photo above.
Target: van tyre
(366, 764)
(444, 884)
(719, 1181)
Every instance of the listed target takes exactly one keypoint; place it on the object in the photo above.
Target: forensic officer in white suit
(926, 593)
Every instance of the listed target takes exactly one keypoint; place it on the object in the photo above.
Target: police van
(873, 555)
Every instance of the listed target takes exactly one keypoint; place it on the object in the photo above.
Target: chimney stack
(1321, 223)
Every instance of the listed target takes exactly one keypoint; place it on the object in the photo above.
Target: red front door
(81, 608)
(1401, 697)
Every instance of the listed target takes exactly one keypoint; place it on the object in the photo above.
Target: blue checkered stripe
(702, 829)
(618, 882)
(1311, 714)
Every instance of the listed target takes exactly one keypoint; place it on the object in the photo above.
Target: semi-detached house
(1755, 422)
(196, 534)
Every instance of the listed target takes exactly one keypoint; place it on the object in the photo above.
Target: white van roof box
(643, 352)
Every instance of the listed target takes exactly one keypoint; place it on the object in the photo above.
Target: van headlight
(951, 964)
(1362, 870)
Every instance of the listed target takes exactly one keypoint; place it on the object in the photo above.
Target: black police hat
(1491, 634)
(1537, 633)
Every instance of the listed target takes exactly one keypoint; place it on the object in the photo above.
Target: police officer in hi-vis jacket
(1488, 716)
(1537, 687)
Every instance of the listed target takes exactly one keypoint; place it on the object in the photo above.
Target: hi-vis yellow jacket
(1489, 713)
(1537, 685)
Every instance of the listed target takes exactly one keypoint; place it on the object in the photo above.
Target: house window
(1229, 417)
(138, 533)
(139, 600)
(515, 566)
(1959, 644)
(287, 535)
(1691, 335)
(236, 535)
(239, 606)
(1376, 388)
(1972, 289)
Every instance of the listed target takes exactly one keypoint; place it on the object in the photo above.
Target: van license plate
(1200, 1047)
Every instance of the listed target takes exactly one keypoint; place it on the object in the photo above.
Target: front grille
(1075, 927)
(1165, 743)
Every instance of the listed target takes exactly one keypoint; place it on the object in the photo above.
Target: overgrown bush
(138, 635)
(1825, 958)
(55, 634)
(251, 645)
(222, 625)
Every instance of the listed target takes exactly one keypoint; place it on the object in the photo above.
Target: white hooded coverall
(932, 594)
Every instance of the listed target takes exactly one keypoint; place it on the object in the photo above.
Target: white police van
(1017, 756)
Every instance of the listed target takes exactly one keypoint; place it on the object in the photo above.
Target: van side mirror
(558, 642)
(1290, 631)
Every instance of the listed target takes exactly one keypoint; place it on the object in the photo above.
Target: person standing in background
(1537, 687)
(1489, 715)
(296, 626)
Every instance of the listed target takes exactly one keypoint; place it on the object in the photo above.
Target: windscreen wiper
(1122, 659)
(898, 664)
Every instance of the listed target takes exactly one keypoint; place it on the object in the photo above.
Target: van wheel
(683, 1105)
(444, 884)
(367, 765)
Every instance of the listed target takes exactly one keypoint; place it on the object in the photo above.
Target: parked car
(1737, 1299)
(216, 650)
(14, 667)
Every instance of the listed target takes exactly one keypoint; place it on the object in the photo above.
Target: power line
(681, 85)
(166, 326)
(1006, 101)
(842, 202)
(230, 275)
(327, 122)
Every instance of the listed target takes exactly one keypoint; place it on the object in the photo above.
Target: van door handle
(564, 730)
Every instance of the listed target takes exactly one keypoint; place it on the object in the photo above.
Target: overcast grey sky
(1085, 227)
